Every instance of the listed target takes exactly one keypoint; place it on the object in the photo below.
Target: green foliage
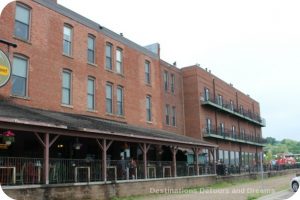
(284, 146)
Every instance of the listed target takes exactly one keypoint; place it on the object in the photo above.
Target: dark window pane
(21, 30)
(18, 86)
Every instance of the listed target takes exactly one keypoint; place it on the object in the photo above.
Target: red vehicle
(286, 160)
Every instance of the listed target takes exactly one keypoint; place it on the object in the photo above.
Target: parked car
(295, 183)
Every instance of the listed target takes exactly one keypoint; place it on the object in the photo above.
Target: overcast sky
(255, 45)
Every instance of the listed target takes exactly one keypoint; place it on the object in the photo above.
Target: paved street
(285, 194)
(235, 192)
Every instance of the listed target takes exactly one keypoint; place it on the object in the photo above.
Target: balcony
(229, 136)
(231, 109)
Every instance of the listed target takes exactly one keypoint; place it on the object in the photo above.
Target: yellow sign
(5, 69)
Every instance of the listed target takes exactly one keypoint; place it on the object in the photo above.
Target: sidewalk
(235, 192)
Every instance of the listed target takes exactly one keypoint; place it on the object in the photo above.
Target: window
(67, 40)
(242, 133)
(173, 83)
(233, 131)
(220, 100)
(148, 108)
(226, 157)
(120, 110)
(206, 94)
(109, 92)
(241, 109)
(108, 53)
(231, 105)
(119, 61)
(173, 116)
(166, 80)
(232, 158)
(167, 110)
(66, 87)
(91, 49)
(222, 129)
(237, 158)
(19, 76)
(208, 125)
(221, 155)
(91, 93)
(147, 72)
(22, 22)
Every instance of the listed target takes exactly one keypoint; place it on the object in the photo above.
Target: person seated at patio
(132, 169)
(122, 168)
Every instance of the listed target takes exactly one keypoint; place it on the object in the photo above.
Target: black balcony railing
(233, 136)
(232, 109)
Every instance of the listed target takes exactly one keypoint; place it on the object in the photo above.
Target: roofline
(115, 134)
(200, 68)
(95, 26)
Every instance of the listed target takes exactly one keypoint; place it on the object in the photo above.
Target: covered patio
(53, 148)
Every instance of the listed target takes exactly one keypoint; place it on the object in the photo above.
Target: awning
(33, 119)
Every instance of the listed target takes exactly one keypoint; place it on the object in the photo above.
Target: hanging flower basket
(8, 137)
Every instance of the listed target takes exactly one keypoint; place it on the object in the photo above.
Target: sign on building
(5, 69)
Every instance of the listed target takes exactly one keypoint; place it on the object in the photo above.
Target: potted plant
(8, 137)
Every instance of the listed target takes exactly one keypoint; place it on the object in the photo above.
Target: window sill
(109, 70)
(20, 97)
(149, 122)
(92, 64)
(148, 84)
(67, 56)
(92, 111)
(67, 106)
(109, 114)
(120, 74)
(120, 116)
(22, 40)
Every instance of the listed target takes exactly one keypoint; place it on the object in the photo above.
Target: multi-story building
(78, 89)
(217, 112)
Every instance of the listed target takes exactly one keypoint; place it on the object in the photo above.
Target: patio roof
(87, 126)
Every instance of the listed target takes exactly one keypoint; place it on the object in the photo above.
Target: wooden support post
(145, 147)
(46, 158)
(214, 160)
(104, 147)
(196, 154)
(46, 143)
(174, 166)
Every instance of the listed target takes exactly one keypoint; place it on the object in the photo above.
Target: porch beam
(40, 139)
(53, 140)
(174, 164)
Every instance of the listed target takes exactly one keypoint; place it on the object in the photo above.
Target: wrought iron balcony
(228, 135)
(232, 109)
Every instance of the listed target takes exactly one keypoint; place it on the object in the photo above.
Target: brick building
(77, 82)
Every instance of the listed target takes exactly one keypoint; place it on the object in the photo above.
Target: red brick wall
(173, 99)
(195, 79)
(47, 62)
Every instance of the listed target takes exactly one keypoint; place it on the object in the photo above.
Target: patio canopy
(13, 116)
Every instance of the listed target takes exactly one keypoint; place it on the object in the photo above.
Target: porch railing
(19, 171)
